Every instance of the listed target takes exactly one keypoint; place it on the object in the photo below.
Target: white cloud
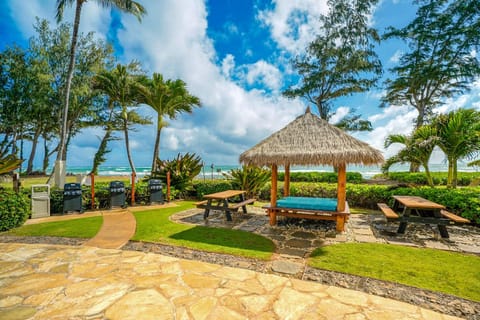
(339, 114)
(396, 56)
(263, 72)
(228, 65)
(172, 40)
(294, 24)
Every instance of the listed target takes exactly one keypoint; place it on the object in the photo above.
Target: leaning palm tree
(120, 86)
(458, 137)
(127, 6)
(417, 149)
(168, 98)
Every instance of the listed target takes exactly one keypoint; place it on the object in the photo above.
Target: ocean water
(217, 171)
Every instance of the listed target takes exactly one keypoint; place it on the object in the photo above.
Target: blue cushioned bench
(309, 208)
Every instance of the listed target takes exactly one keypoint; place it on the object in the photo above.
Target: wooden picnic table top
(224, 194)
(418, 202)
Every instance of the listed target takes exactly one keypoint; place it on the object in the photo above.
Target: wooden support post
(273, 195)
(168, 186)
(286, 181)
(133, 188)
(341, 188)
(92, 189)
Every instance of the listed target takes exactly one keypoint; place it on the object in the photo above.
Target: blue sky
(235, 56)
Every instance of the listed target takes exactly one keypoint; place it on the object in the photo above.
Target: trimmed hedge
(462, 201)
(332, 177)
(439, 178)
(14, 209)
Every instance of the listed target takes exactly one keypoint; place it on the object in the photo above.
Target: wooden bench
(241, 204)
(201, 203)
(387, 211)
(339, 217)
(454, 217)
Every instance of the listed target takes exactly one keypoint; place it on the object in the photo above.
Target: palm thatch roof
(310, 140)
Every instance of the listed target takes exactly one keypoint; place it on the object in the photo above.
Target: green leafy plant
(211, 186)
(182, 170)
(14, 209)
(249, 178)
(9, 163)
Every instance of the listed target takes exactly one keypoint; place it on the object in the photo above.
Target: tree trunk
(68, 84)
(45, 156)
(36, 136)
(454, 174)
(450, 172)
(156, 147)
(429, 176)
(127, 145)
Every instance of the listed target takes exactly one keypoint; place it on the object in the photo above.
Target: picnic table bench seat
(387, 211)
(231, 206)
(454, 217)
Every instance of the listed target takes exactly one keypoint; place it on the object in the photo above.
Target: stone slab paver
(170, 289)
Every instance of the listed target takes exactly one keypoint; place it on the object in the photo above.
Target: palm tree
(167, 98)
(458, 137)
(127, 6)
(418, 149)
(120, 86)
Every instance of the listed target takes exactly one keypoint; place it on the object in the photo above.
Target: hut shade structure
(308, 141)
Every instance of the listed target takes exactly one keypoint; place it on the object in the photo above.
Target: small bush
(14, 209)
(210, 186)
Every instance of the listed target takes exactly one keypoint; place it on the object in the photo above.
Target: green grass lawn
(77, 228)
(154, 226)
(449, 272)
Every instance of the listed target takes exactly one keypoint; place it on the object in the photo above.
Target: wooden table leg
(227, 211)
(207, 210)
(244, 207)
(403, 224)
(441, 228)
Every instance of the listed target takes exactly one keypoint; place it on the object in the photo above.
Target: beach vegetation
(14, 209)
(120, 87)
(250, 179)
(437, 270)
(438, 178)
(459, 137)
(31, 90)
(155, 226)
(439, 63)
(168, 98)
(127, 6)
(183, 169)
(417, 149)
(340, 61)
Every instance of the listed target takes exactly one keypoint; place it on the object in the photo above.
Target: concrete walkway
(117, 228)
(65, 282)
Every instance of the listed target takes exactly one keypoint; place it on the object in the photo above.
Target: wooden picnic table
(416, 209)
(224, 202)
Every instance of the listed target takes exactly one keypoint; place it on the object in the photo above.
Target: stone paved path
(65, 282)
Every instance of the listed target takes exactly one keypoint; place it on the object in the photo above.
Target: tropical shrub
(249, 178)
(14, 209)
(182, 170)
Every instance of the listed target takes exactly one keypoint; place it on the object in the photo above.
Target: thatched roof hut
(310, 140)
